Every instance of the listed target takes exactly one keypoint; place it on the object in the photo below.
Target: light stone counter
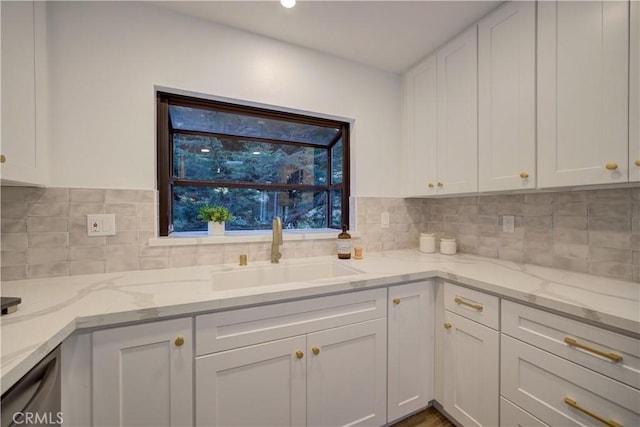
(54, 308)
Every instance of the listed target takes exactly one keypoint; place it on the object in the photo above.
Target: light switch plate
(101, 225)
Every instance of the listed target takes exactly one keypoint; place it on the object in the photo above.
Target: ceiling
(389, 35)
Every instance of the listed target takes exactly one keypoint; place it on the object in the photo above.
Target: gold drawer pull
(573, 404)
(299, 354)
(315, 350)
(468, 304)
(430, 185)
(612, 356)
(396, 300)
(440, 185)
(448, 325)
(179, 342)
(637, 162)
(611, 166)
(4, 159)
(524, 175)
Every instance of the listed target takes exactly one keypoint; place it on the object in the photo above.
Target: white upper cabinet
(634, 94)
(583, 92)
(506, 98)
(23, 92)
(420, 113)
(458, 114)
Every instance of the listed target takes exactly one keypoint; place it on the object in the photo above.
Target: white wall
(106, 58)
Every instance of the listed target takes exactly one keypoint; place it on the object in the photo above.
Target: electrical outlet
(508, 223)
(384, 220)
(101, 225)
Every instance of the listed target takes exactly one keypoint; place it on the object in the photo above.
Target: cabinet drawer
(614, 355)
(474, 305)
(238, 328)
(546, 385)
(511, 415)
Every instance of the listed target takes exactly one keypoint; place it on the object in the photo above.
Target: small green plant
(214, 213)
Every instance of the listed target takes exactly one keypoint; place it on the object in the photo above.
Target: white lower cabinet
(315, 362)
(513, 416)
(471, 357)
(329, 378)
(143, 375)
(264, 384)
(410, 349)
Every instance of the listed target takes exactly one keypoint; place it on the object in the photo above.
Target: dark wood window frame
(164, 150)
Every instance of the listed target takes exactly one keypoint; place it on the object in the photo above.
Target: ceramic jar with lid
(427, 243)
(448, 245)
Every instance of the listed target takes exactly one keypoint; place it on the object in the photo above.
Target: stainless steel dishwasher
(35, 399)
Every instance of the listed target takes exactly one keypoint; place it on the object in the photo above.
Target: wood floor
(430, 417)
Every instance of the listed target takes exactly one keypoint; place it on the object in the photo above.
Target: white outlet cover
(384, 220)
(101, 225)
(508, 223)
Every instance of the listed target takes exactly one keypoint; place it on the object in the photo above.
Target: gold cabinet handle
(448, 325)
(440, 185)
(574, 404)
(611, 166)
(315, 350)
(179, 342)
(430, 185)
(396, 300)
(460, 301)
(637, 162)
(524, 175)
(299, 354)
(4, 159)
(611, 356)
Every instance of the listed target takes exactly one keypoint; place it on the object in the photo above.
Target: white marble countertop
(53, 308)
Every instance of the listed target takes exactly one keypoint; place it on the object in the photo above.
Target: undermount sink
(270, 274)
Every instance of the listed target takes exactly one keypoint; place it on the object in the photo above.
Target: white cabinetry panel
(142, 375)
(458, 114)
(346, 375)
(506, 98)
(582, 92)
(545, 385)
(634, 93)
(410, 361)
(263, 384)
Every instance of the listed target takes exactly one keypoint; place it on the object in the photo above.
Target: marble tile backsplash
(44, 234)
(596, 231)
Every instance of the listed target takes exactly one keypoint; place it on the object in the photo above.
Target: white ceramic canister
(448, 246)
(427, 243)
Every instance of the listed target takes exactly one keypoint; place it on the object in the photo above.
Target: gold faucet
(276, 240)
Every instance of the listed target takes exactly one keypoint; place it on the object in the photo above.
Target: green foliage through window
(256, 163)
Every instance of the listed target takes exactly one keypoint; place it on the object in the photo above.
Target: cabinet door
(583, 92)
(506, 98)
(634, 94)
(513, 416)
(143, 375)
(471, 369)
(420, 112)
(259, 385)
(23, 32)
(346, 375)
(458, 114)
(410, 349)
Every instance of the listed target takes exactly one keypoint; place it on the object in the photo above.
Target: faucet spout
(276, 240)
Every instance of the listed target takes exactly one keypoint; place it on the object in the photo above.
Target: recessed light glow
(288, 3)
(204, 150)
(256, 153)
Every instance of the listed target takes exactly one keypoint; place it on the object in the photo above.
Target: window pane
(217, 159)
(336, 163)
(188, 118)
(336, 208)
(251, 209)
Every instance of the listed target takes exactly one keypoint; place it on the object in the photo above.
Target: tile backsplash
(595, 231)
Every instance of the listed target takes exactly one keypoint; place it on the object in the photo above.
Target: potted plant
(214, 216)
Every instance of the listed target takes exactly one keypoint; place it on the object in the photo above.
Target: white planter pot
(215, 228)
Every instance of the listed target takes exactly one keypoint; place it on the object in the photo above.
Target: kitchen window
(258, 163)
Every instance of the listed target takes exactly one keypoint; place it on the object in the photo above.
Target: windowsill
(254, 236)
